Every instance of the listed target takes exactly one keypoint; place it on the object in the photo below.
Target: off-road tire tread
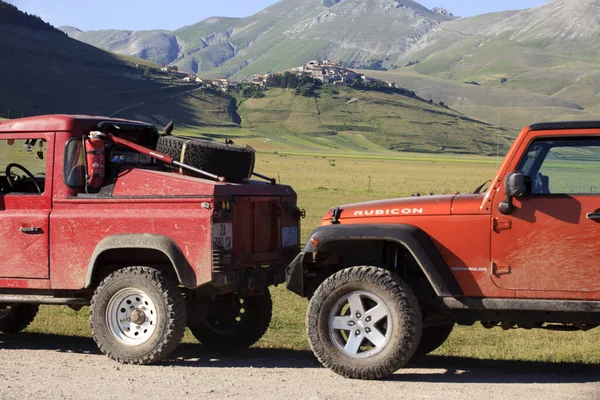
(176, 322)
(408, 308)
(248, 333)
(21, 316)
(432, 338)
(230, 161)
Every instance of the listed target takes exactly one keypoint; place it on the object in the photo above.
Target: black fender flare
(184, 271)
(415, 240)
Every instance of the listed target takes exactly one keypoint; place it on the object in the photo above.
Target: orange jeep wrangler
(390, 279)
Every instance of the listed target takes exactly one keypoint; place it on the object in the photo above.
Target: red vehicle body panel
(77, 229)
(143, 201)
(23, 255)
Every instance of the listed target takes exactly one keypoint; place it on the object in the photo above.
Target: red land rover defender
(92, 214)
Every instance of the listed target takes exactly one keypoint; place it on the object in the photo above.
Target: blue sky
(161, 14)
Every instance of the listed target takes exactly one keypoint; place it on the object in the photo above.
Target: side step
(37, 299)
(471, 303)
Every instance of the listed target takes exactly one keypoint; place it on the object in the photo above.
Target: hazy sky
(161, 14)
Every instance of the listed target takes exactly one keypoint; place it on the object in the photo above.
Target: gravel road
(58, 367)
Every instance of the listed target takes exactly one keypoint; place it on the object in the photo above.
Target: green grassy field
(323, 181)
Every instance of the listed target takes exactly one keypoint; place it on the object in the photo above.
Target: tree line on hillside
(11, 15)
(381, 86)
(304, 84)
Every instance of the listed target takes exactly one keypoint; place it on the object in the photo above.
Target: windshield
(29, 153)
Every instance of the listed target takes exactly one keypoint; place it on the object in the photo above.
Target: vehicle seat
(541, 184)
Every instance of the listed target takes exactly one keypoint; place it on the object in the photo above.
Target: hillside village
(323, 71)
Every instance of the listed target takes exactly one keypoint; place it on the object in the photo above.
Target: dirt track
(52, 367)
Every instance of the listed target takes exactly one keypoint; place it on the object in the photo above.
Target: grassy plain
(323, 181)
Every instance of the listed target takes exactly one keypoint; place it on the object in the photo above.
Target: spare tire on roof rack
(235, 163)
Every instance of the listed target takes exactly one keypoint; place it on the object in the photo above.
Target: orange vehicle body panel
(551, 247)
(545, 249)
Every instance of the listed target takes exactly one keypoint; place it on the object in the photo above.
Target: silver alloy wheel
(360, 324)
(131, 316)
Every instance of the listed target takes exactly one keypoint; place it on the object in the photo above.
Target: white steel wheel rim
(131, 316)
(360, 324)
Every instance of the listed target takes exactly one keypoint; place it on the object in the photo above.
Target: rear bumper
(231, 275)
(251, 280)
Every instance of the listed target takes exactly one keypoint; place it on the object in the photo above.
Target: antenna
(498, 142)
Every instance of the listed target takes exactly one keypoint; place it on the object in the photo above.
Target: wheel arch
(414, 240)
(158, 251)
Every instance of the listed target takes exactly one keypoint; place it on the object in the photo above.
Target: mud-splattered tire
(432, 338)
(364, 323)
(230, 161)
(137, 315)
(16, 317)
(235, 322)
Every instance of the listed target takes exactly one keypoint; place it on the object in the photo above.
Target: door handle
(31, 231)
(595, 216)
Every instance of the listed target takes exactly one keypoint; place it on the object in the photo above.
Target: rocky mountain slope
(558, 28)
(157, 46)
(521, 66)
(562, 25)
(368, 33)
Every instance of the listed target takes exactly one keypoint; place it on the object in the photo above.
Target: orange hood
(404, 207)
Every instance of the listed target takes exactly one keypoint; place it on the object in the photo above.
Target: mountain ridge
(51, 73)
(508, 66)
(357, 32)
(11, 15)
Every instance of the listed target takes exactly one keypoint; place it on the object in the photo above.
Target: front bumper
(295, 271)
(294, 274)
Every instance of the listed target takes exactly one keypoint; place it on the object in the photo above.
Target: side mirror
(516, 186)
